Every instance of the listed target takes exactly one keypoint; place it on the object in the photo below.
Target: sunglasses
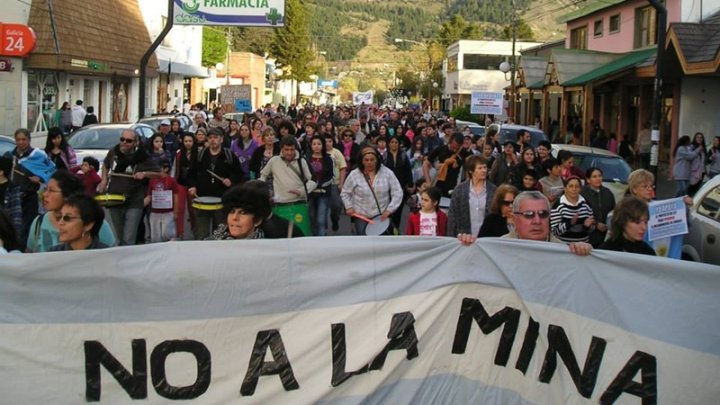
(127, 140)
(66, 218)
(507, 203)
(543, 214)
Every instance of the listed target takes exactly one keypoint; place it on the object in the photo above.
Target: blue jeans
(360, 226)
(318, 205)
(125, 223)
(681, 187)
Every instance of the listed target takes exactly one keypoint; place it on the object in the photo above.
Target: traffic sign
(16, 40)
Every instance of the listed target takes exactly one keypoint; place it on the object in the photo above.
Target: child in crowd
(413, 202)
(162, 196)
(530, 181)
(429, 221)
(89, 174)
(552, 185)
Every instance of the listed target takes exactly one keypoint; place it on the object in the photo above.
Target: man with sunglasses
(531, 218)
(125, 170)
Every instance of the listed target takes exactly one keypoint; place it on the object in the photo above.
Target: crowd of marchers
(298, 171)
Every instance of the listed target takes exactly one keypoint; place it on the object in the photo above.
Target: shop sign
(251, 13)
(5, 65)
(16, 40)
(78, 63)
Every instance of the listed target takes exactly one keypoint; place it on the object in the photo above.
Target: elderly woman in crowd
(44, 231)
(246, 211)
(371, 190)
(630, 220)
(572, 218)
(79, 223)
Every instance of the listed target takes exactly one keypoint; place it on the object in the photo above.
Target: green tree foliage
(494, 11)
(257, 40)
(291, 44)
(522, 31)
(408, 80)
(214, 46)
(326, 24)
(456, 29)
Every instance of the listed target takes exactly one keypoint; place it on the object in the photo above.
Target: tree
(523, 31)
(456, 29)
(291, 44)
(214, 46)
(257, 40)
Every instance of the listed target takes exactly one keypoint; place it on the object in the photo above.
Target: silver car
(702, 242)
(96, 140)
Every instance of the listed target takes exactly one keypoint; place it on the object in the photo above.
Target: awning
(183, 69)
(533, 69)
(568, 64)
(625, 62)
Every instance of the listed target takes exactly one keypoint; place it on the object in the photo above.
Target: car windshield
(613, 168)
(95, 138)
(153, 122)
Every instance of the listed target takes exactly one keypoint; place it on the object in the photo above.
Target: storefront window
(41, 101)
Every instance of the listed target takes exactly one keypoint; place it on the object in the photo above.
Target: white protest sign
(360, 97)
(667, 218)
(483, 102)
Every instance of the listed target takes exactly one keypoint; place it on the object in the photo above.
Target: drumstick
(364, 218)
(122, 175)
(215, 175)
(19, 172)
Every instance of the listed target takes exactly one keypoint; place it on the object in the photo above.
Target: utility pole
(657, 91)
(512, 64)
(146, 57)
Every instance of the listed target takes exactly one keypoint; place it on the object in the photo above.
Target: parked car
(510, 131)
(615, 169)
(703, 238)
(154, 120)
(475, 128)
(7, 144)
(96, 140)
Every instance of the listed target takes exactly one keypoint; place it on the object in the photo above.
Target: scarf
(123, 161)
(347, 149)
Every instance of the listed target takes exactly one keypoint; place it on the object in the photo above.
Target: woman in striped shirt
(572, 218)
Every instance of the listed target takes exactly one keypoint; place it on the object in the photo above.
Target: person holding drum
(292, 182)
(245, 207)
(44, 231)
(217, 169)
(123, 185)
(79, 223)
(371, 191)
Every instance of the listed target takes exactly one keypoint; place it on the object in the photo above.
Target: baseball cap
(165, 122)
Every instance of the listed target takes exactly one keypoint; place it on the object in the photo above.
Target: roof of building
(572, 63)
(533, 70)
(624, 62)
(589, 8)
(109, 37)
(698, 42)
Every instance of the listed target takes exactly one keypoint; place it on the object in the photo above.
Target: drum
(207, 203)
(377, 227)
(296, 212)
(110, 200)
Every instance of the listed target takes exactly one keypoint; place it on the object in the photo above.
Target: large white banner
(351, 320)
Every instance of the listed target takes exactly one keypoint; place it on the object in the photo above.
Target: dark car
(96, 140)
(615, 169)
(7, 144)
(155, 120)
(510, 131)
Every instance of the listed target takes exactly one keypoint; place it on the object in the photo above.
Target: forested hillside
(341, 27)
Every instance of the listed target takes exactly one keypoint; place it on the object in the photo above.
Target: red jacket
(413, 224)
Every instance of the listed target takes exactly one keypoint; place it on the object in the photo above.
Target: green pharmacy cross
(273, 16)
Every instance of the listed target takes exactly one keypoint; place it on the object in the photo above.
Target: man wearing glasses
(531, 217)
(125, 168)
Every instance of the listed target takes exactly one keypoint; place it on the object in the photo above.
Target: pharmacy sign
(251, 13)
